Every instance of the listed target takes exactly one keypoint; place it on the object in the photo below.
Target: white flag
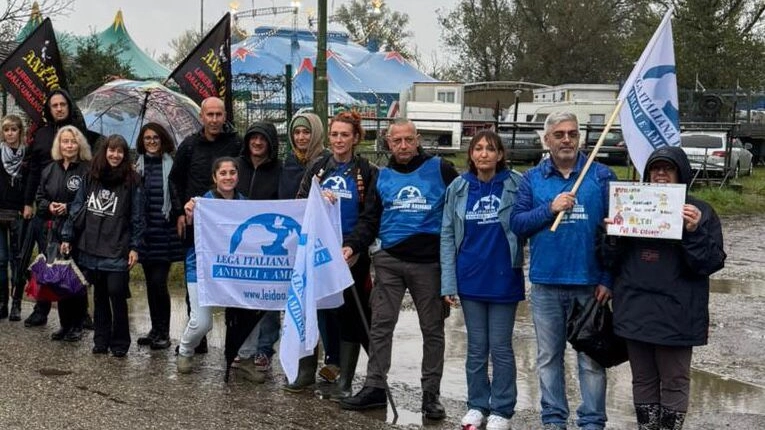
(649, 116)
(320, 275)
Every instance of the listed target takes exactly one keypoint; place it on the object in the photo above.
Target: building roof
(352, 69)
(143, 66)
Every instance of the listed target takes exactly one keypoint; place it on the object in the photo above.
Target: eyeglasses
(572, 134)
(151, 139)
(666, 168)
(399, 140)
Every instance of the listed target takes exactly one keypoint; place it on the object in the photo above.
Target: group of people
(445, 238)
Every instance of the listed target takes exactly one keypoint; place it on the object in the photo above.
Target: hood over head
(674, 155)
(75, 117)
(316, 145)
(268, 130)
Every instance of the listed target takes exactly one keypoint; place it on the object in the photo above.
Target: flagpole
(590, 159)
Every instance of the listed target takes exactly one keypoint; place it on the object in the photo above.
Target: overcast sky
(153, 23)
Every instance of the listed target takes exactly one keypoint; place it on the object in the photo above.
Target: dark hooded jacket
(261, 182)
(661, 287)
(38, 157)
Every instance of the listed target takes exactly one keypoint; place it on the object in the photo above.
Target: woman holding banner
(347, 177)
(476, 223)
(661, 298)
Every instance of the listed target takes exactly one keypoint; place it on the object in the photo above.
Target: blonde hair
(13, 120)
(84, 152)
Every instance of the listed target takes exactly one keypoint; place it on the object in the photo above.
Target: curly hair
(349, 117)
(167, 145)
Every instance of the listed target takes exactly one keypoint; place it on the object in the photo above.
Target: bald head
(213, 116)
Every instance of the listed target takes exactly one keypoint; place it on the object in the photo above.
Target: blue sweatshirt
(567, 256)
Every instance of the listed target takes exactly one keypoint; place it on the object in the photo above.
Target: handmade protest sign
(646, 210)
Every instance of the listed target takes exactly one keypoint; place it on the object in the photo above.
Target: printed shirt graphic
(412, 202)
(343, 184)
(102, 202)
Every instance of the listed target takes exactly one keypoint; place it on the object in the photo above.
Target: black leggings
(156, 273)
(110, 314)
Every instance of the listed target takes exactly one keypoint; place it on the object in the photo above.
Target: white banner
(649, 116)
(246, 251)
(321, 274)
(646, 210)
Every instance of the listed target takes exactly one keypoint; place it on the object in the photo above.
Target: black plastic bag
(590, 329)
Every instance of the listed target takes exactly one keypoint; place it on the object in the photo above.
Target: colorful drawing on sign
(646, 210)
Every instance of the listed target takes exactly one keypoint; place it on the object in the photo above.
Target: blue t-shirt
(341, 181)
(484, 266)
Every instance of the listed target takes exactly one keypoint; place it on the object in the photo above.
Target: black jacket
(59, 185)
(191, 175)
(160, 241)
(38, 155)
(262, 182)
(362, 235)
(661, 287)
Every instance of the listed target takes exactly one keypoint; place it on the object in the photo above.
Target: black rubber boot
(648, 415)
(3, 301)
(15, 314)
(349, 357)
(671, 420)
(306, 373)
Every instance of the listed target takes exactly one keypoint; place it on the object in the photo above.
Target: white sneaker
(474, 418)
(497, 422)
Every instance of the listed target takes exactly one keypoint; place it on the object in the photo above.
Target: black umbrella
(26, 246)
(239, 324)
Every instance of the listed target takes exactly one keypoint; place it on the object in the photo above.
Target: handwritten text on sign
(646, 210)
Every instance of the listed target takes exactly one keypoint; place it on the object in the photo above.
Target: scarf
(167, 164)
(12, 160)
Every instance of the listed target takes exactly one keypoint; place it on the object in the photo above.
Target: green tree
(483, 35)
(372, 21)
(721, 42)
(92, 66)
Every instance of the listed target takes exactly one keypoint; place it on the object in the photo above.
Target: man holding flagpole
(564, 267)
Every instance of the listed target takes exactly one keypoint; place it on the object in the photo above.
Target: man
(191, 175)
(410, 197)
(259, 173)
(564, 267)
(59, 110)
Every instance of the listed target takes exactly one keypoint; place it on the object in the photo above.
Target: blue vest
(342, 182)
(413, 203)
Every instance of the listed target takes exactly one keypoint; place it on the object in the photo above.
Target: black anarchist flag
(206, 71)
(33, 70)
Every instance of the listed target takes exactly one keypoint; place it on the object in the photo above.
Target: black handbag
(590, 329)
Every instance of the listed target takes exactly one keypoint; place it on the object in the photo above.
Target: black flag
(206, 71)
(33, 70)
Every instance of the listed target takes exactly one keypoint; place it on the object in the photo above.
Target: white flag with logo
(320, 275)
(649, 116)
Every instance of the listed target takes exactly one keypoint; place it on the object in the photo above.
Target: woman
(347, 177)
(661, 298)
(59, 184)
(161, 244)
(107, 222)
(476, 223)
(307, 144)
(12, 182)
(225, 179)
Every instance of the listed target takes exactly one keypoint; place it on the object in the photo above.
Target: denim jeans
(490, 334)
(263, 337)
(550, 305)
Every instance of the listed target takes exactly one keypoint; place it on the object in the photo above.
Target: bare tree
(16, 13)
(367, 23)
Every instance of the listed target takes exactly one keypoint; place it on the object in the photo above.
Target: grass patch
(732, 200)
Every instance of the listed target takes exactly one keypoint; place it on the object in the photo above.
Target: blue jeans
(549, 307)
(490, 333)
(263, 337)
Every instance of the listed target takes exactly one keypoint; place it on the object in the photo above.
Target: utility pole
(320, 85)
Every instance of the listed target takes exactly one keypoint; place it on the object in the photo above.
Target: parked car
(528, 146)
(707, 153)
(612, 152)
